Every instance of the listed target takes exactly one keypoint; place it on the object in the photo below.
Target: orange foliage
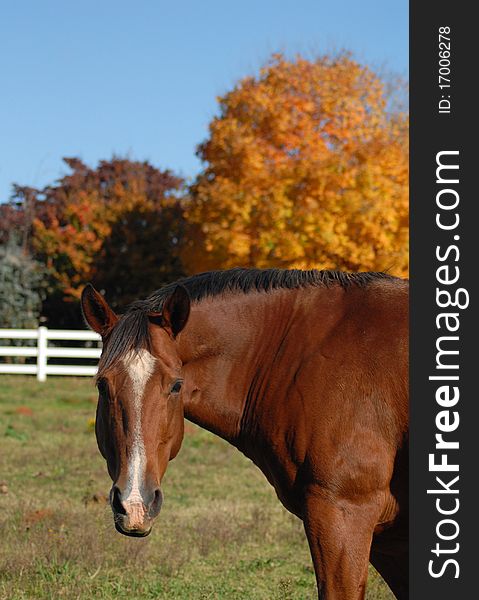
(305, 167)
(114, 225)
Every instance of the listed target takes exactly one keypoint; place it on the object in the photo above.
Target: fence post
(42, 353)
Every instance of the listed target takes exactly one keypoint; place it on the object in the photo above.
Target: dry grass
(221, 534)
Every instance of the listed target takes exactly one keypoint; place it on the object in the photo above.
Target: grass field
(222, 534)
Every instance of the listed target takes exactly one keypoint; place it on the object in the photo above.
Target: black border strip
(454, 132)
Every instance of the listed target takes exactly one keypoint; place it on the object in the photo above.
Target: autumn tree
(15, 217)
(118, 225)
(140, 253)
(305, 166)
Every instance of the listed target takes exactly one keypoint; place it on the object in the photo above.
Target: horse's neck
(222, 347)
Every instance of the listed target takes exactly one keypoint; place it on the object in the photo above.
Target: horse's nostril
(116, 503)
(155, 504)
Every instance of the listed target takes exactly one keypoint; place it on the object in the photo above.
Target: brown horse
(305, 372)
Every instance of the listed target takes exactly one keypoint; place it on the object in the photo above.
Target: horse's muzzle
(136, 532)
(135, 518)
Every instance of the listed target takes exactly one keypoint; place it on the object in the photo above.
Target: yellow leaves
(305, 167)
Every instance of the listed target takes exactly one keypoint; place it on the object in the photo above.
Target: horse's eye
(176, 387)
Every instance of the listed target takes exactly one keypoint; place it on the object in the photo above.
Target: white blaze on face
(139, 366)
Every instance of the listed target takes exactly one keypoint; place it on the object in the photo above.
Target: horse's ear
(96, 311)
(175, 313)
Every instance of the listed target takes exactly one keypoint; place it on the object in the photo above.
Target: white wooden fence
(43, 351)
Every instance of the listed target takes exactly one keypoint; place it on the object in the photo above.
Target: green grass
(222, 533)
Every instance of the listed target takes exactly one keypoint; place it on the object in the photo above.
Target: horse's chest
(277, 463)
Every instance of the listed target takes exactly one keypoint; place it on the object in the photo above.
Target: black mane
(131, 331)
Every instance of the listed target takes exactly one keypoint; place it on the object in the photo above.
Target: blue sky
(96, 78)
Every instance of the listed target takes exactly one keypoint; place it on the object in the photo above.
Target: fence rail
(42, 351)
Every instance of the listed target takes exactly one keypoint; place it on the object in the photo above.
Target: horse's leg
(390, 557)
(339, 535)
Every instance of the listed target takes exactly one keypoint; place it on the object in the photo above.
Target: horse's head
(139, 421)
